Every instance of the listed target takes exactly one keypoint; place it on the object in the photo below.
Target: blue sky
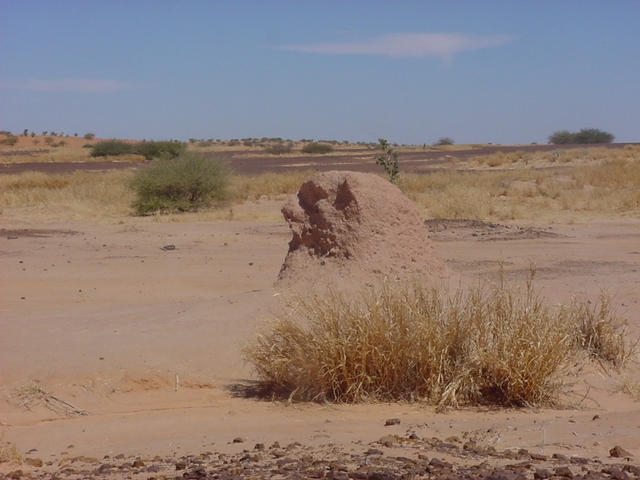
(408, 71)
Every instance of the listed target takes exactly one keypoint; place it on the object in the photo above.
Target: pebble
(392, 421)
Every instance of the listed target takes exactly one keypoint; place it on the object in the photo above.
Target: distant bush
(180, 184)
(11, 140)
(89, 136)
(317, 147)
(445, 141)
(111, 147)
(159, 149)
(593, 135)
(586, 135)
(48, 140)
(279, 148)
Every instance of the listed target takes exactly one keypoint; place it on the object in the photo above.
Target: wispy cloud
(443, 45)
(78, 85)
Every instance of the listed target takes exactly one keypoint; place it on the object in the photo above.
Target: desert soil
(136, 353)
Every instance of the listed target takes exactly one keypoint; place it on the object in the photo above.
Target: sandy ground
(147, 341)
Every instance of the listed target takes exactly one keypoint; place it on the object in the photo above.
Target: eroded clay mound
(353, 226)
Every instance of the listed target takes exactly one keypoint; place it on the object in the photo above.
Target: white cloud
(78, 85)
(443, 45)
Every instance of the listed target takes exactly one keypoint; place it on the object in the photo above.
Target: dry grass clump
(483, 346)
(29, 396)
(490, 345)
(601, 334)
(9, 453)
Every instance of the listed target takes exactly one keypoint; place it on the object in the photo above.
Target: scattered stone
(238, 440)
(33, 462)
(538, 456)
(137, 463)
(180, 465)
(15, 474)
(563, 471)
(560, 457)
(541, 474)
(259, 446)
(392, 421)
(167, 248)
(120, 456)
(619, 452)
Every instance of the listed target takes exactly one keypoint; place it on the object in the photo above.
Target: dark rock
(538, 456)
(15, 474)
(166, 248)
(375, 475)
(120, 456)
(154, 468)
(579, 460)
(238, 440)
(632, 469)
(504, 474)
(137, 463)
(560, 457)
(195, 473)
(616, 473)
(437, 463)
(541, 474)
(392, 421)
(619, 452)
(563, 471)
(105, 467)
(180, 465)
(259, 446)
(373, 451)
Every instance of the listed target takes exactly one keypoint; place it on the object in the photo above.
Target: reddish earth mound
(355, 227)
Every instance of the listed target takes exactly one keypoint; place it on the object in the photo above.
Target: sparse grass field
(576, 193)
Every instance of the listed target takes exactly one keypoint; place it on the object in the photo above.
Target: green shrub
(111, 147)
(180, 184)
(317, 147)
(89, 136)
(152, 150)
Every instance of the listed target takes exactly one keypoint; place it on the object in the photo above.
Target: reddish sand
(148, 341)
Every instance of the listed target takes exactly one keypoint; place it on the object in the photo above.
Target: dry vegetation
(482, 346)
(610, 187)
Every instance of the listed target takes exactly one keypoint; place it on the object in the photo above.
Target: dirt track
(355, 160)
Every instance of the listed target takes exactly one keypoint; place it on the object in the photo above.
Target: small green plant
(317, 147)
(388, 160)
(184, 183)
(89, 136)
(111, 147)
(25, 132)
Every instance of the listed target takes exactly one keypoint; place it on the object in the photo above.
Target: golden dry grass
(73, 195)
(602, 189)
(492, 345)
(573, 156)
(9, 453)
